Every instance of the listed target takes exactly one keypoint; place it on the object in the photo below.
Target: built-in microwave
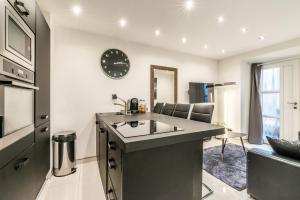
(17, 41)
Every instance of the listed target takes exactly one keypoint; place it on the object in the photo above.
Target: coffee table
(230, 135)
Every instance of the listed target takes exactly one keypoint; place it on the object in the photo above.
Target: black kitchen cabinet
(42, 154)
(26, 9)
(148, 174)
(101, 146)
(18, 176)
(42, 78)
(9, 153)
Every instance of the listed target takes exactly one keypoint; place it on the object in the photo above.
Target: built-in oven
(17, 41)
(16, 97)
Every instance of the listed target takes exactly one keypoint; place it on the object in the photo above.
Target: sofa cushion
(286, 148)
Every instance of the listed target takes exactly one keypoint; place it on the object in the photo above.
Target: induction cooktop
(145, 127)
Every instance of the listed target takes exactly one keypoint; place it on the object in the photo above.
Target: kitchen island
(151, 156)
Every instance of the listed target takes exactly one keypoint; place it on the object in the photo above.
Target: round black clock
(115, 63)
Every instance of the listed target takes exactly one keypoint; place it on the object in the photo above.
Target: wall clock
(115, 63)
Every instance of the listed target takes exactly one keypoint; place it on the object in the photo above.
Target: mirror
(163, 85)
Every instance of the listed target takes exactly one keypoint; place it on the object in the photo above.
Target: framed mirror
(163, 83)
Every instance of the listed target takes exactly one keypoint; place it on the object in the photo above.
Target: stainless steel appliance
(16, 98)
(133, 105)
(64, 153)
(17, 41)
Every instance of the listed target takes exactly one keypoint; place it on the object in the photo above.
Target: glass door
(270, 101)
(280, 98)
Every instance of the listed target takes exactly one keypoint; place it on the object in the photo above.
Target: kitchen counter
(192, 130)
(157, 166)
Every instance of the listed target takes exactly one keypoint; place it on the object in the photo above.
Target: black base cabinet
(42, 154)
(101, 152)
(18, 177)
(171, 172)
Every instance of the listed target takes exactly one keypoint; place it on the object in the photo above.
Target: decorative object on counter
(115, 63)
(64, 153)
(142, 106)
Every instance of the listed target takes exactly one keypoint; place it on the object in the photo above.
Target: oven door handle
(20, 6)
(18, 84)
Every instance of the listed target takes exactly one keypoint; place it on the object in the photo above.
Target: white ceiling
(277, 20)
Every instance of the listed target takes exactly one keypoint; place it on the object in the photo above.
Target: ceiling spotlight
(189, 4)
(183, 40)
(123, 22)
(261, 38)
(157, 32)
(244, 30)
(220, 19)
(223, 51)
(205, 46)
(76, 10)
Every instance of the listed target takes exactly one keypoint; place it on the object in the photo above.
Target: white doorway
(280, 91)
(290, 100)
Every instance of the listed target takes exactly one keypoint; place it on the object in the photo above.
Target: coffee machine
(133, 105)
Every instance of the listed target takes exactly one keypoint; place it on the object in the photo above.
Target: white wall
(79, 88)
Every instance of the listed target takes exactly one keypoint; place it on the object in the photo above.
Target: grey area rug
(232, 170)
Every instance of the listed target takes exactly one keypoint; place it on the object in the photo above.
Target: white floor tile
(85, 184)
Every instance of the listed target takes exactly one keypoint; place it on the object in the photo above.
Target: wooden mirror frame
(152, 68)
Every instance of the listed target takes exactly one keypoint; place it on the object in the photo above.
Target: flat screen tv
(201, 92)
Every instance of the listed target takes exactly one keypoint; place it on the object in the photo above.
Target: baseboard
(86, 160)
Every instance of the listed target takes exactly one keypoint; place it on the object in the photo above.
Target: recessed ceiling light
(189, 4)
(157, 32)
(76, 10)
(221, 19)
(205, 46)
(244, 30)
(261, 38)
(183, 40)
(223, 51)
(123, 22)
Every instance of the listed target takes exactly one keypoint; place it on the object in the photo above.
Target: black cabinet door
(42, 97)
(103, 155)
(42, 154)
(26, 9)
(17, 178)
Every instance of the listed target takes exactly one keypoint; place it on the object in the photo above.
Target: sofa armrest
(271, 176)
(276, 157)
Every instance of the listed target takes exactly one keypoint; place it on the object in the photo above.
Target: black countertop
(192, 130)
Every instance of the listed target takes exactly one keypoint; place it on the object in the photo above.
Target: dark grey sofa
(271, 176)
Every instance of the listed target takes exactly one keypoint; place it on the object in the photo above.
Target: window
(270, 101)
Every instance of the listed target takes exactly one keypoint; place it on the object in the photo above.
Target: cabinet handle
(110, 194)
(44, 116)
(102, 130)
(22, 164)
(45, 129)
(112, 164)
(112, 145)
(20, 6)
